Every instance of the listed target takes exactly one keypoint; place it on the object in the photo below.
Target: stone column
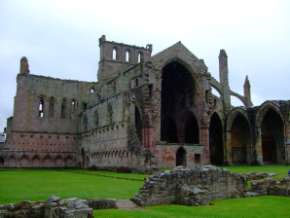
(204, 140)
(228, 148)
(258, 147)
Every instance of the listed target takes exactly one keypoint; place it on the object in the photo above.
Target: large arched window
(177, 98)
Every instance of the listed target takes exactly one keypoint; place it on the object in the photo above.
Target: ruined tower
(115, 57)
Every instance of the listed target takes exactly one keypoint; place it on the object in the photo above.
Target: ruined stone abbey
(144, 111)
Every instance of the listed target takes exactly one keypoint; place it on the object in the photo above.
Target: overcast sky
(60, 38)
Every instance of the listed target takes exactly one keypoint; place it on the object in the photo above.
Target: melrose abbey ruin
(145, 111)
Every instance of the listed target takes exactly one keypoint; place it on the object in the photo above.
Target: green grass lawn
(25, 184)
(258, 207)
(280, 170)
(39, 184)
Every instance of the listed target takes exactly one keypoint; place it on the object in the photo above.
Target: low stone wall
(54, 207)
(270, 186)
(196, 186)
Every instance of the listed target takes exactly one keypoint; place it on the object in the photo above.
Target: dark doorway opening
(272, 137)
(216, 140)
(181, 157)
(177, 93)
(240, 139)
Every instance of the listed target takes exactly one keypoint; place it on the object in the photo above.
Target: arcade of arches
(234, 145)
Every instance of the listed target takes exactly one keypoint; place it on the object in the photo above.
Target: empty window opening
(74, 105)
(114, 54)
(92, 90)
(140, 57)
(41, 107)
(136, 82)
(63, 109)
(127, 56)
(197, 158)
(150, 87)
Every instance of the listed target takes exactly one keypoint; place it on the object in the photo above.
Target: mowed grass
(258, 207)
(25, 184)
(280, 170)
(39, 184)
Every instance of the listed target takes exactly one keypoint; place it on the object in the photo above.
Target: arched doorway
(240, 140)
(181, 157)
(216, 140)
(272, 128)
(191, 129)
(177, 96)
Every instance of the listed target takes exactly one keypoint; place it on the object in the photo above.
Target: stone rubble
(54, 207)
(196, 186)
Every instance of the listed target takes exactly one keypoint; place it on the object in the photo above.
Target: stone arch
(232, 115)
(263, 110)
(270, 125)
(181, 157)
(216, 145)
(183, 62)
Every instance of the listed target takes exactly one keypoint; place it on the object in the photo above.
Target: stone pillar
(204, 140)
(228, 148)
(258, 147)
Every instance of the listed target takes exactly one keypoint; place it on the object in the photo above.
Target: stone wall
(195, 186)
(53, 208)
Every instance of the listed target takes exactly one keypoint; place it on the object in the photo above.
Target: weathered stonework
(145, 111)
(53, 208)
(195, 186)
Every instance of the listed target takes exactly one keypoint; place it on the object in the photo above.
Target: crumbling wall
(195, 186)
